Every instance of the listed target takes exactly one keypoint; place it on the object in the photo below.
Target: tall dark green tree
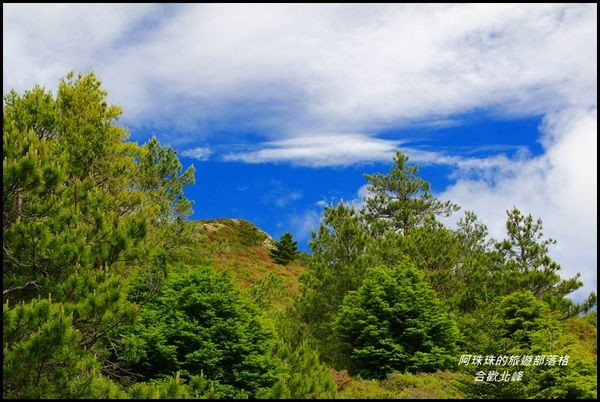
(339, 261)
(199, 324)
(286, 249)
(395, 321)
(76, 227)
(74, 195)
(527, 265)
(400, 200)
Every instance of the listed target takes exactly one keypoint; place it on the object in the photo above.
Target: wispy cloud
(325, 68)
(280, 195)
(321, 150)
(353, 149)
(200, 153)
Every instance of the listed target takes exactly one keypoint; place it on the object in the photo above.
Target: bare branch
(34, 284)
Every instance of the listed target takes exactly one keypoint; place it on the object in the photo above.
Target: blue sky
(280, 197)
(283, 108)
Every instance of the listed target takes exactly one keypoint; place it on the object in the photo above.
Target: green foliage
(77, 226)
(43, 357)
(72, 195)
(520, 314)
(267, 290)
(474, 275)
(159, 176)
(400, 200)
(340, 259)
(396, 322)
(197, 387)
(435, 250)
(527, 266)
(286, 249)
(302, 376)
(439, 385)
(592, 317)
(199, 323)
(523, 324)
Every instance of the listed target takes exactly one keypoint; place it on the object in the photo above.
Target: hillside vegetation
(111, 291)
(238, 249)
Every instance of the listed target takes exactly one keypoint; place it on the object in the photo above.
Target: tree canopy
(401, 200)
(395, 321)
(111, 291)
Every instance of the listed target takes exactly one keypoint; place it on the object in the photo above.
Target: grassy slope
(440, 385)
(238, 249)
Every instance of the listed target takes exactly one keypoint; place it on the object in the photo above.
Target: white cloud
(301, 224)
(200, 153)
(289, 71)
(560, 187)
(280, 195)
(325, 68)
(42, 42)
(322, 150)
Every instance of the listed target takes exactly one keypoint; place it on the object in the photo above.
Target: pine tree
(43, 357)
(341, 256)
(77, 226)
(400, 200)
(286, 249)
(303, 376)
(526, 265)
(395, 321)
(199, 324)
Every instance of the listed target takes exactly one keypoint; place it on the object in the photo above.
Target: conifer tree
(76, 227)
(395, 321)
(199, 324)
(43, 357)
(341, 256)
(286, 249)
(527, 265)
(400, 200)
(303, 376)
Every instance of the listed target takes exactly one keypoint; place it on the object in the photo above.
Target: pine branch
(28, 284)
